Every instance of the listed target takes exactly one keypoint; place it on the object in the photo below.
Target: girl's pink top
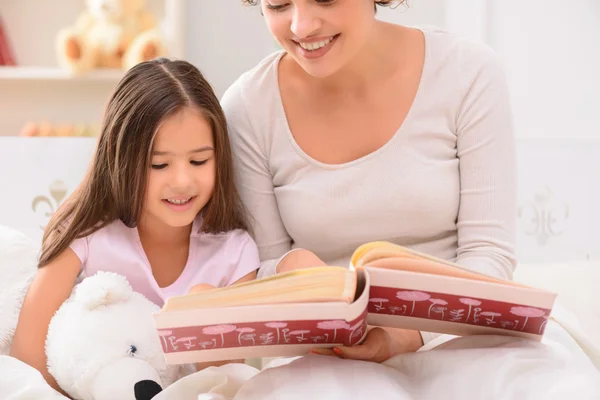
(216, 259)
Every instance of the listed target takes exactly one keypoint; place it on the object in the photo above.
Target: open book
(385, 285)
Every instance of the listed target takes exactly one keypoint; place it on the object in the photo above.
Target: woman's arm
(298, 259)
(51, 286)
(255, 184)
(487, 162)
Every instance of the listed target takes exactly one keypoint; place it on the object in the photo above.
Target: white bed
(558, 248)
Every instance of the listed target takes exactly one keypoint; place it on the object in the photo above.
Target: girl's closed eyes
(164, 165)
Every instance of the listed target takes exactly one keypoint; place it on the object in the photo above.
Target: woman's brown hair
(114, 186)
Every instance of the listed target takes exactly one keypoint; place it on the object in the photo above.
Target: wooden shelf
(40, 90)
(31, 73)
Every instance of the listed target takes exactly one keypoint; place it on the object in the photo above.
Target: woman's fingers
(374, 348)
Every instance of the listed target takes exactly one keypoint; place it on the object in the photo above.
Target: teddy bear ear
(102, 289)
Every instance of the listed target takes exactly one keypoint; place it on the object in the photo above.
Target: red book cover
(456, 306)
(409, 291)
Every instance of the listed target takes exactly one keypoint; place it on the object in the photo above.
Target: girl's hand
(299, 259)
(379, 345)
(202, 287)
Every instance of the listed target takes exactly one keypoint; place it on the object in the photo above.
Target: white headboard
(559, 199)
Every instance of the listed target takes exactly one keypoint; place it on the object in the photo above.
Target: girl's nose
(182, 177)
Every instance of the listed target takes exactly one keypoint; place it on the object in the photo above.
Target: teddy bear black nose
(146, 390)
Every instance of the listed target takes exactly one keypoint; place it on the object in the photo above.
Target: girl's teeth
(179, 202)
(316, 45)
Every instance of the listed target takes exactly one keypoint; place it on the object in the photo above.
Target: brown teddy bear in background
(110, 34)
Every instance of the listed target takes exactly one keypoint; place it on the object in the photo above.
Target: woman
(361, 130)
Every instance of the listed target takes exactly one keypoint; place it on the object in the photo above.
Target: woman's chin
(322, 67)
(320, 70)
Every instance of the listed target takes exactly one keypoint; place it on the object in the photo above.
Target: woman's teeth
(315, 45)
(178, 202)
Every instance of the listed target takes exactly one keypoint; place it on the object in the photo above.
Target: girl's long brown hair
(114, 186)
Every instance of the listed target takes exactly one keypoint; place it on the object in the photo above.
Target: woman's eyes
(163, 166)
(281, 7)
(277, 7)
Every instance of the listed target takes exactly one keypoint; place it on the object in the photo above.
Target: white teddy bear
(102, 343)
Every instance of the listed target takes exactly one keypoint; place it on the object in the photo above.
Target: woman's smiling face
(322, 36)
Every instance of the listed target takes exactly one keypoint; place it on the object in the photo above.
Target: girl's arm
(249, 277)
(206, 286)
(51, 286)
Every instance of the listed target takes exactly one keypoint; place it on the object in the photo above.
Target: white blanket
(19, 381)
(466, 368)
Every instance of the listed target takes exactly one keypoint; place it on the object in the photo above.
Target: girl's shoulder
(113, 231)
(112, 234)
(104, 240)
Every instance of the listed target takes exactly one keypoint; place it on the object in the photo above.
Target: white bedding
(19, 381)
(467, 368)
(449, 368)
(566, 365)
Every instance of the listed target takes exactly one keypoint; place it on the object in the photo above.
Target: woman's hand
(299, 259)
(379, 345)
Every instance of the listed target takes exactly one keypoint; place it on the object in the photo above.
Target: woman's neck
(376, 62)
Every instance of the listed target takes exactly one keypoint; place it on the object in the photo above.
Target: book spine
(199, 339)
(456, 309)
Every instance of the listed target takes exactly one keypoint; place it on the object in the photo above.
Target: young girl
(158, 205)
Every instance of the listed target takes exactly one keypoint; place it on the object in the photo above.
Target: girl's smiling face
(181, 180)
